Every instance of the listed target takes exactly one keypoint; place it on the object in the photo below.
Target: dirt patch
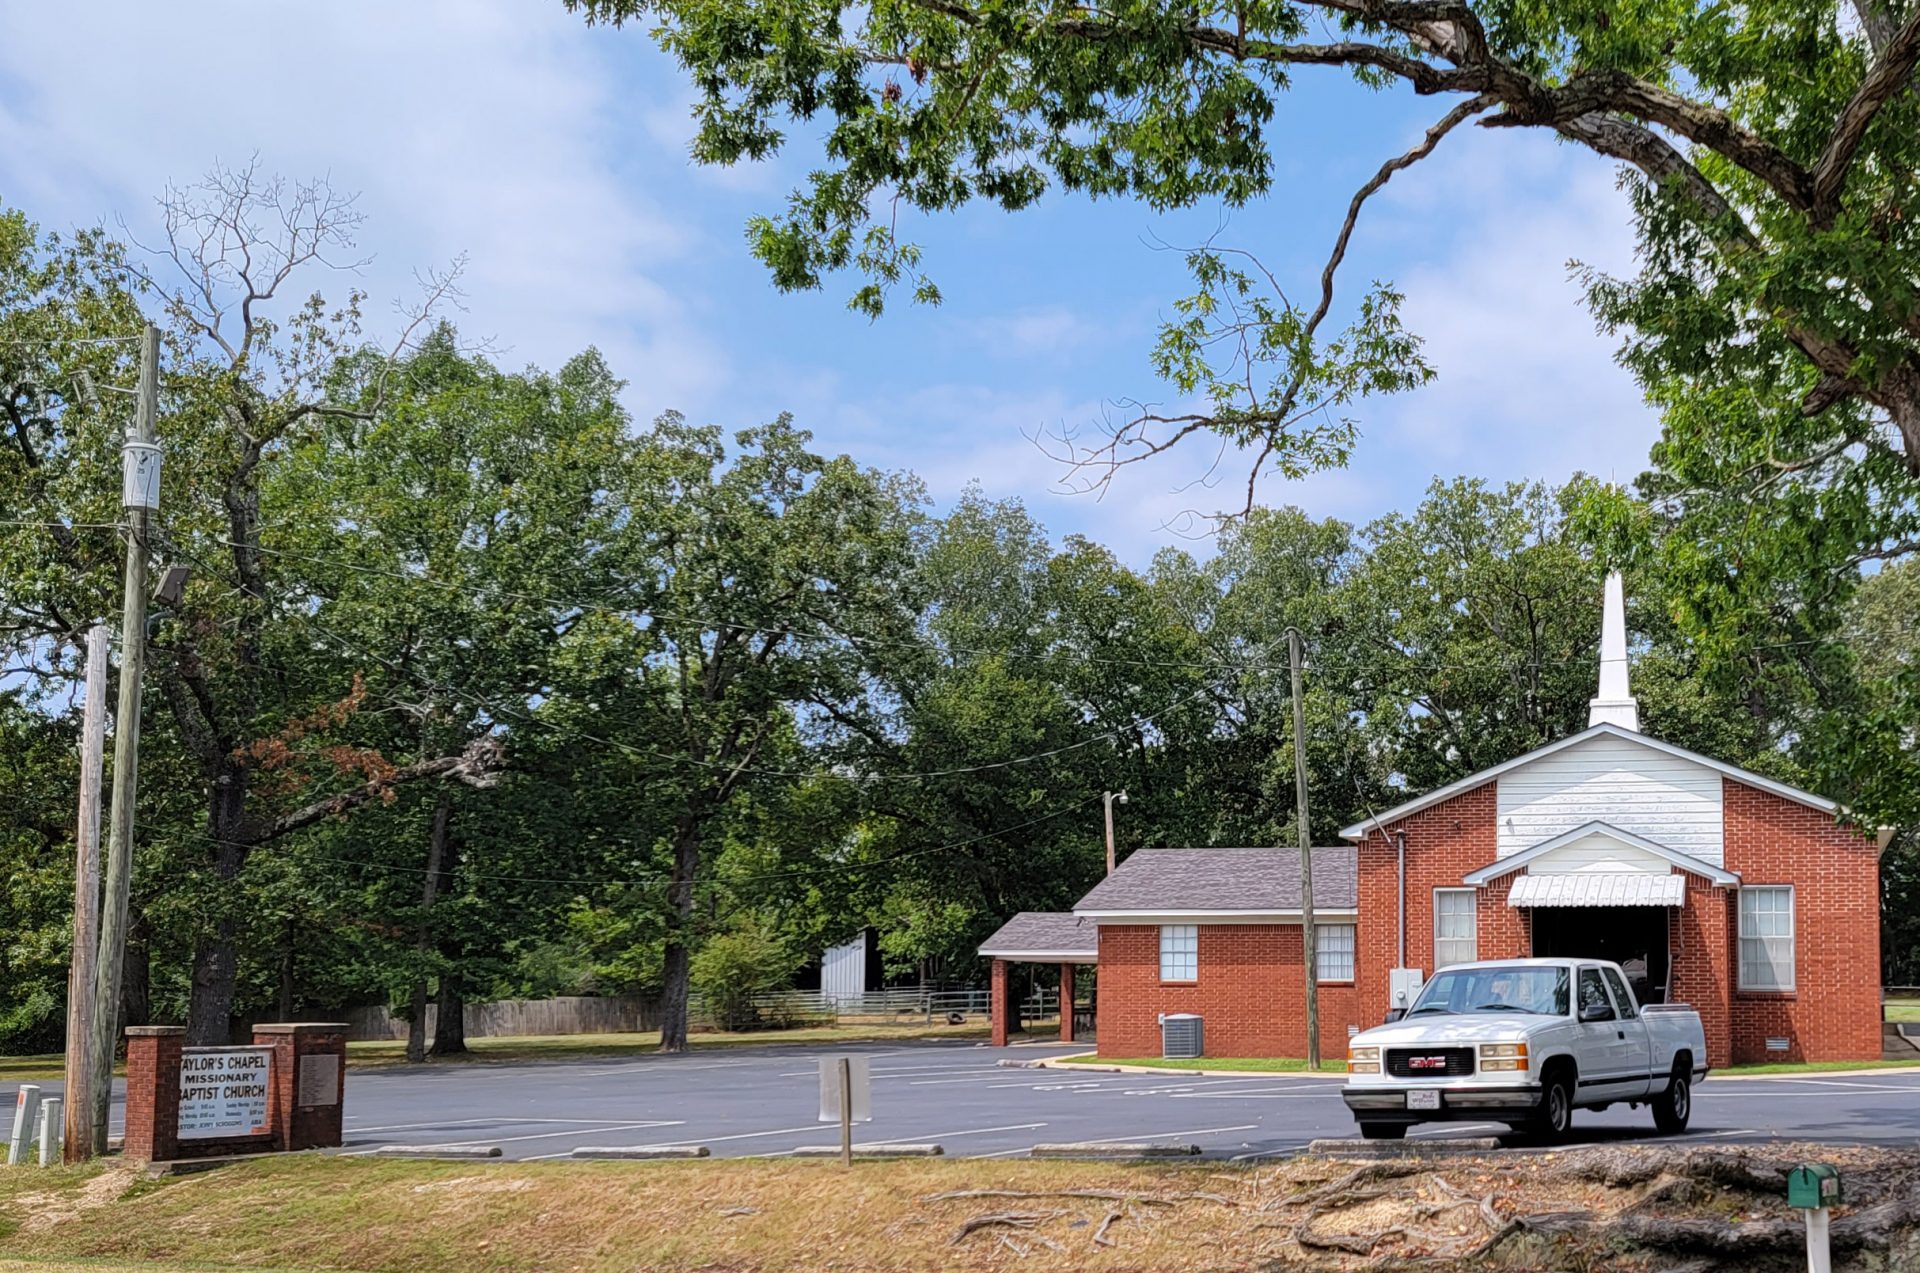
(40, 1212)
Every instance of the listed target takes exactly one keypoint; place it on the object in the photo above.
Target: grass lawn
(1816, 1067)
(560, 1047)
(1252, 1064)
(1902, 1010)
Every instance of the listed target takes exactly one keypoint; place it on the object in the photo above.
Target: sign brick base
(304, 1102)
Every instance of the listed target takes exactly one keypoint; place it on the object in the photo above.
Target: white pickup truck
(1525, 1042)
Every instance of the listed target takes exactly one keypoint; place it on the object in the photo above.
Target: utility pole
(140, 495)
(1310, 956)
(1112, 797)
(78, 1143)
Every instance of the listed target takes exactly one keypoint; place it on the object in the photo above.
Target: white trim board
(1515, 861)
(1218, 917)
(1360, 830)
(1045, 956)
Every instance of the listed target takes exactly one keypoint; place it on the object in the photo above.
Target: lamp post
(1112, 798)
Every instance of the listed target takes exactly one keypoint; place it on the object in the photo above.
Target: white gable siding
(1598, 853)
(1667, 799)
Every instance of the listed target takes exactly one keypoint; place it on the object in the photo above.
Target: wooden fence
(611, 1014)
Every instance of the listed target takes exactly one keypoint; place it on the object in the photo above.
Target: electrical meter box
(1403, 987)
(1811, 1186)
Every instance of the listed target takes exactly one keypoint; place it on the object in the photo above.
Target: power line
(594, 606)
(498, 710)
(658, 876)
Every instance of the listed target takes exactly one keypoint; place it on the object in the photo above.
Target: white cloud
(474, 127)
(1526, 387)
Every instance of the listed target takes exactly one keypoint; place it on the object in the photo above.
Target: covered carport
(1040, 937)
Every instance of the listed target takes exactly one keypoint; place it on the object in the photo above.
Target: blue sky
(555, 158)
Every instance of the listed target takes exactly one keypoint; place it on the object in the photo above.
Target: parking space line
(1196, 1131)
(461, 1122)
(1453, 1129)
(939, 1136)
(571, 1131)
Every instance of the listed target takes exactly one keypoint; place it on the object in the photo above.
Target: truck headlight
(1363, 1060)
(1503, 1056)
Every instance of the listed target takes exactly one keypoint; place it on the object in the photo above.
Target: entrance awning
(1599, 888)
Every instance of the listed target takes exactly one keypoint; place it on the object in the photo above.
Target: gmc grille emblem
(1427, 1062)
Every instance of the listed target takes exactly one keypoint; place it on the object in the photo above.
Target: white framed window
(1179, 952)
(1456, 926)
(1333, 945)
(1766, 937)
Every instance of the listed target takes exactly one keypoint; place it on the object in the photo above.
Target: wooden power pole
(1310, 957)
(140, 495)
(1111, 797)
(78, 1142)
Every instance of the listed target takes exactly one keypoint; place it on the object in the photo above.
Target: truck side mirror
(1394, 1014)
(1596, 1012)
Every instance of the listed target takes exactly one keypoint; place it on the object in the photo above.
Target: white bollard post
(1819, 1250)
(25, 1106)
(53, 1130)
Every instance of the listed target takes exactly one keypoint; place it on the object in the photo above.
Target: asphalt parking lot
(765, 1101)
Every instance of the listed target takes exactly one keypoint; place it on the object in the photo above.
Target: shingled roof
(1260, 881)
(1055, 934)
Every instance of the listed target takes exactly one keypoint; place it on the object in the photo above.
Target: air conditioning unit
(1180, 1035)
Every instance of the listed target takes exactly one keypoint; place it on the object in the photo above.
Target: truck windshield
(1539, 991)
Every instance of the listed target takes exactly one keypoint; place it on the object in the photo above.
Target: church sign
(223, 1092)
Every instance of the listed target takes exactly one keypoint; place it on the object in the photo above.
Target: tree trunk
(450, 1026)
(136, 996)
(216, 961)
(286, 974)
(677, 964)
(423, 936)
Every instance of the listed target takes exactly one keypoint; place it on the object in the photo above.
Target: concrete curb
(1403, 1148)
(870, 1151)
(640, 1153)
(1906, 1068)
(1085, 1150)
(435, 1151)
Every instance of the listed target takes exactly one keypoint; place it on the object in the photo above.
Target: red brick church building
(1714, 886)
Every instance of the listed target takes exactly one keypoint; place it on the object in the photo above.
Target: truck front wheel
(1673, 1107)
(1553, 1117)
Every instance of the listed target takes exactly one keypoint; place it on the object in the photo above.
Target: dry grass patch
(1626, 1208)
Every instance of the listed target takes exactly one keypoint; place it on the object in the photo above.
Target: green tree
(747, 576)
(1771, 149)
(735, 965)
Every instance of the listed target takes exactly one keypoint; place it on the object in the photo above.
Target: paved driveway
(764, 1100)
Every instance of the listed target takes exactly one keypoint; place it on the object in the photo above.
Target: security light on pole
(1112, 798)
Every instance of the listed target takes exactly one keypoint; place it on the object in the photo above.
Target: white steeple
(1615, 704)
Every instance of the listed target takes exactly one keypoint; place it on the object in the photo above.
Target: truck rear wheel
(1673, 1107)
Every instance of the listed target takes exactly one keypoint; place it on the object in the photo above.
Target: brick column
(153, 1092)
(1066, 1003)
(306, 1103)
(997, 1003)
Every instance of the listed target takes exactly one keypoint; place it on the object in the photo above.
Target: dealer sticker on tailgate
(1423, 1099)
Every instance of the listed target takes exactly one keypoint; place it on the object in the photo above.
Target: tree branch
(478, 766)
(1890, 74)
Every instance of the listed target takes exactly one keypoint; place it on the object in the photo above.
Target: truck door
(1634, 1027)
(1612, 1067)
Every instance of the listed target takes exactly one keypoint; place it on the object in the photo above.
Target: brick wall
(1833, 1012)
(1444, 842)
(1250, 988)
